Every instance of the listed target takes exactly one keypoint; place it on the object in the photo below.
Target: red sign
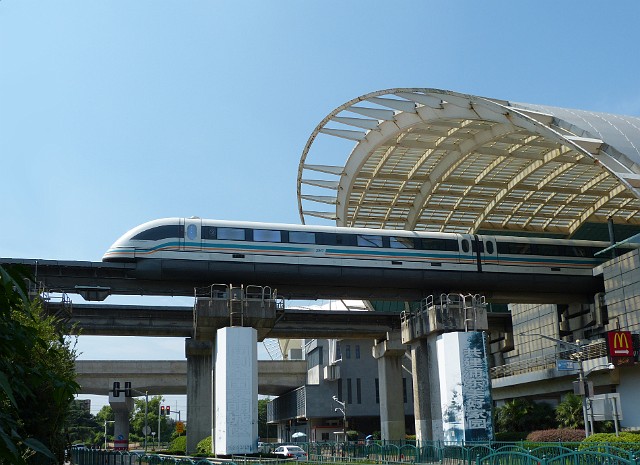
(120, 444)
(620, 344)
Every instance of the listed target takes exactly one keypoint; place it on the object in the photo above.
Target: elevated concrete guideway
(169, 377)
(158, 321)
(97, 280)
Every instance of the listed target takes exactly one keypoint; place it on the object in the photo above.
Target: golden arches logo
(620, 344)
(621, 341)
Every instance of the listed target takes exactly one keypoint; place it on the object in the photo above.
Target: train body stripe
(319, 251)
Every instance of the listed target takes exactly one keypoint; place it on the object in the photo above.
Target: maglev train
(195, 239)
(325, 262)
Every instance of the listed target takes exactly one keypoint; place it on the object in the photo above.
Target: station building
(436, 160)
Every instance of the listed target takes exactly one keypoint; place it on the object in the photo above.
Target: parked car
(293, 452)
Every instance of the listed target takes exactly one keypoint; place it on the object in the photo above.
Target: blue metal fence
(399, 454)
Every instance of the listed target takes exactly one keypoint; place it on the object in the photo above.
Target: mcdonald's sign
(620, 344)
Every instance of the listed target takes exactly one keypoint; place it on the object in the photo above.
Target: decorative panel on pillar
(236, 391)
(465, 387)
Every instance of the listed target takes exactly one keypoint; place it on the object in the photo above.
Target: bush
(205, 446)
(511, 436)
(524, 415)
(557, 435)
(626, 440)
(179, 444)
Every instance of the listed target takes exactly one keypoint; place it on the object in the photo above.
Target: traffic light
(116, 389)
(127, 388)
(168, 409)
(162, 410)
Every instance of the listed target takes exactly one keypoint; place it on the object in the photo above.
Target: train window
(208, 232)
(550, 250)
(302, 237)
(575, 251)
(231, 234)
(440, 244)
(335, 239)
(192, 231)
(161, 232)
(266, 235)
(346, 239)
(490, 247)
(326, 239)
(465, 245)
(369, 241)
(514, 248)
(397, 242)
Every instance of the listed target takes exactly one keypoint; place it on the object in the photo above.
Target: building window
(339, 389)
(349, 398)
(347, 351)
(377, 391)
(358, 391)
(357, 350)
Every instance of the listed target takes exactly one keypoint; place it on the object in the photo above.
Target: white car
(292, 452)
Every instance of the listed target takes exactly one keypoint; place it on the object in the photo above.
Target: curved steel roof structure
(436, 160)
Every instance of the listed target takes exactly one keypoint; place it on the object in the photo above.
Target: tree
(569, 412)
(167, 424)
(37, 374)
(523, 415)
(263, 426)
(81, 425)
(104, 415)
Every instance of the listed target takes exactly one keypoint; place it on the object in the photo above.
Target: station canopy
(436, 160)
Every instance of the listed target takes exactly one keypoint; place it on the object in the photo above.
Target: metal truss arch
(430, 159)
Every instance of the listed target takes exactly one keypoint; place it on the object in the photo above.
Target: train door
(489, 251)
(192, 237)
(465, 242)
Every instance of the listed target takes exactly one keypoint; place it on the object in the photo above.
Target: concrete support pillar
(422, 390)
(121, 407)
(121, 425)
(200, 377)
(389, 354)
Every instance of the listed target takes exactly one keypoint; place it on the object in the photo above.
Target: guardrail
(387, 453)
(591, 351)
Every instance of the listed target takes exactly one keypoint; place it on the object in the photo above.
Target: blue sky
(113, 113)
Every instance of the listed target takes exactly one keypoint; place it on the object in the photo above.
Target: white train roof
(436, 160)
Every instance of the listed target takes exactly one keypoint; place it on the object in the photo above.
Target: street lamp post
(343, 409)
(105, 432)
(581, 374)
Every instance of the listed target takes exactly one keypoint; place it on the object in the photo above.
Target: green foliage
(263, 426)
(37, 374)
(179, 444)
(205, 446)
(557, 435)
(625, 440)
(523, 415)
(511, 436)
(137, 421)
(352, 435)
(81, 426)
(569, 412)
